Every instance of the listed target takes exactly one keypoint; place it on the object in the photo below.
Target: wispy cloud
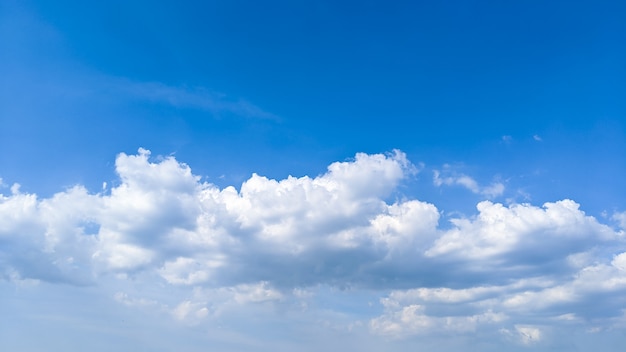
(189, 98)
(448, 177)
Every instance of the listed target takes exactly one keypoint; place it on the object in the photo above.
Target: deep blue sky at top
(443, 81)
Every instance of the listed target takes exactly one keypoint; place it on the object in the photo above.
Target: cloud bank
(514, 270)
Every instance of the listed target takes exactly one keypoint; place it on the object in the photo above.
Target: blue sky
(281, 176)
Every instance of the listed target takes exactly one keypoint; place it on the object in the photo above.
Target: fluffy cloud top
(509, 269)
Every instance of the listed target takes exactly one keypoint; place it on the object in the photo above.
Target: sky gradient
(279, 176)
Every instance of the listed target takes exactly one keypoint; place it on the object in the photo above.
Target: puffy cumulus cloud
(162, 219)
(162, 239)
(521, 232)
(526, 264)
(619, 262)
(587, 296)
(138, 220)
(47, 239)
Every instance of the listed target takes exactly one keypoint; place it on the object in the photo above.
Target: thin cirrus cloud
(510, 270)
(38, 51)
(188, 98)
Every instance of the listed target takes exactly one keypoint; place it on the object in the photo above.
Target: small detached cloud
(621, 219)
(164, 240)
(448, 177)
(524, 334)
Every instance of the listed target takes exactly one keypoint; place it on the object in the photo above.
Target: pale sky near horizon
(306, 175)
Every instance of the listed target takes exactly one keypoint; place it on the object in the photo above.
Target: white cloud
(506, 233)
(443, 294)
(572, 299)
(528, 334)
(412, 320)
(525, 334)
(621, 219)
(448, 178)
(187, 308)
(187, 271)
(255, 293)
(620, 261)
(199, 252)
